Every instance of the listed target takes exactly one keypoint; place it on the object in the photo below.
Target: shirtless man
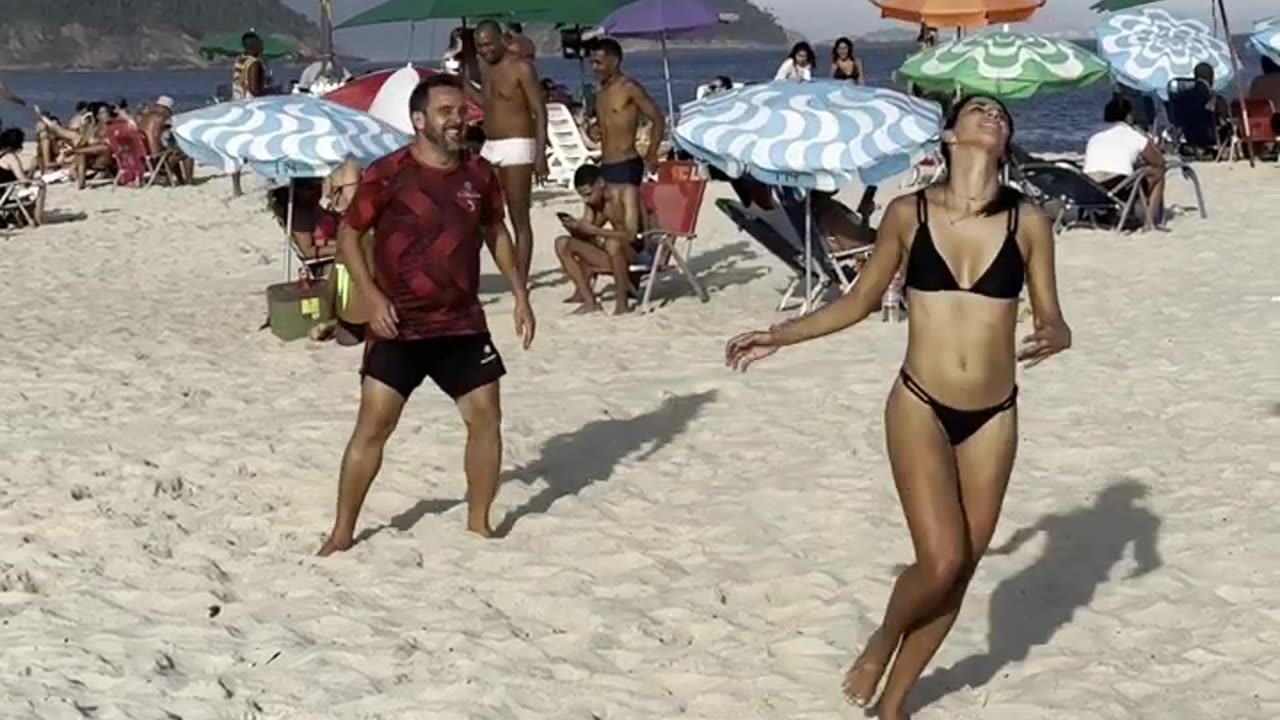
(595, 244)
(155, 124)
(619, 104)
(515, 128)
(519, 43)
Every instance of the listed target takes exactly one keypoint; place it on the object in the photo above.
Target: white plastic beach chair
(566, 149)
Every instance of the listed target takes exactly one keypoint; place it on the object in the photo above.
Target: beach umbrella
(817, 135)
(661, 19)
(284, 136)
(584, 12)
(229, 45)
(385, 96)
(1003, 64)
(1266, 38)
(1148, 48)
(958, 13)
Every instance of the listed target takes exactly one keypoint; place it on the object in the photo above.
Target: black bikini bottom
(958, 424)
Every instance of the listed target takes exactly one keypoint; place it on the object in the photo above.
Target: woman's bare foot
(333, 545)
(481, 529)
(862, 679)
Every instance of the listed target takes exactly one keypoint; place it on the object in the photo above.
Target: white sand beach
(682, 542)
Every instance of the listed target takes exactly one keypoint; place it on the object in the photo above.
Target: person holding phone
(596, 244)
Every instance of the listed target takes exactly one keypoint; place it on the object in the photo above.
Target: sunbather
(594, 244)
(13, 170)
(1115, 155)
(156, 123)
(87, 150)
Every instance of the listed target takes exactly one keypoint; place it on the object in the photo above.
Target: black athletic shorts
(457, 364)
(627, 172)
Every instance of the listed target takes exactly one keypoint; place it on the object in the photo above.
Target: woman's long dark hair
(1007, 198)
(835, 49)
(795, 50)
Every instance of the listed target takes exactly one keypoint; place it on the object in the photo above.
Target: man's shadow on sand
(1082, 547)
(571, 461)
(574, 460)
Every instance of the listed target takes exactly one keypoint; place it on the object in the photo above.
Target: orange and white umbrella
(958, 13)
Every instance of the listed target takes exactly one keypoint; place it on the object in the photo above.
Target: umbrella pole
(666, 72)
(408, 51)
(1236, 67)
(288, 237)
(808, 251)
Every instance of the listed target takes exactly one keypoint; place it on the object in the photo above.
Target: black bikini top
(927, 270)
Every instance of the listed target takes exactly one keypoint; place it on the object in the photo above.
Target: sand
(682, 542)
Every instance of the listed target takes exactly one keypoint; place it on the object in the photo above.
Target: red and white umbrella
(385, 95)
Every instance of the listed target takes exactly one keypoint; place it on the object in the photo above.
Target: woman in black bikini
(951, 417)
(844, 64)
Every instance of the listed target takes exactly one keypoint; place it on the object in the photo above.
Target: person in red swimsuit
(432, 207)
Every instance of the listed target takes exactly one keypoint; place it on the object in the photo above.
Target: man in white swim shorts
(515, 128)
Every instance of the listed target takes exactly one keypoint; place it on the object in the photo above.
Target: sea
(1050, 122)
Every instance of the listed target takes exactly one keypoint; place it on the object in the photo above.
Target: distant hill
(94, 34)
(755, 28)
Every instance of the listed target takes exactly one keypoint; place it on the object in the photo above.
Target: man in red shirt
(431, 207)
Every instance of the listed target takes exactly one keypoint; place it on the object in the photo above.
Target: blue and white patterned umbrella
(1266, 38)
(284, 136)
(1148, 48)
(815, 135)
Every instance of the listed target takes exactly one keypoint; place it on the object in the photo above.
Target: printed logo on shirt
(469, 198)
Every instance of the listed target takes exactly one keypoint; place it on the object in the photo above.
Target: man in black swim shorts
(620, 103)
(432, 206)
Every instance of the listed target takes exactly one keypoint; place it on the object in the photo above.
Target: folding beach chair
(1191, 114)
(18, 201)
(1251, 123)
(775, 227)
(136, 165)
(673, 209)
(1072, 198)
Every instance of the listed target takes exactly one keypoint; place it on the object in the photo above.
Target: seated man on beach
(156, 124)
(1117, 153)
(597, 243)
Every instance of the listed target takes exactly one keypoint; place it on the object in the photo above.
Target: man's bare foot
(481, 529)
(333, 545)
(585, 309)
(621, 308)
(884, 714)
(862, 679)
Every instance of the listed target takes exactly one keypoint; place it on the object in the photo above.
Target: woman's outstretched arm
(1051, 335)
(873, 280)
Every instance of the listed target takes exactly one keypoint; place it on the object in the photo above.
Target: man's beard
(440, 140)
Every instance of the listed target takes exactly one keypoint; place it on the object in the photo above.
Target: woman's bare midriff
(960, 347)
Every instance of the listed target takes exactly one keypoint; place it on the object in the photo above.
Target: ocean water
(1052, 122)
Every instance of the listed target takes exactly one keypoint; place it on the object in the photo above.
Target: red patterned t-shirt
(428, 226)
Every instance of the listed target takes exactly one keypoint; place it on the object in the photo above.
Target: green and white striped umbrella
(1003, 64)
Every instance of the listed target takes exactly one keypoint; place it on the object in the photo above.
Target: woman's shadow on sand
(573, 460)
(1081, 548)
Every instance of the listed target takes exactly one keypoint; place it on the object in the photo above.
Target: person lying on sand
(595, 243)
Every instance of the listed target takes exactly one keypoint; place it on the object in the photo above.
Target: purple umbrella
(661, 19)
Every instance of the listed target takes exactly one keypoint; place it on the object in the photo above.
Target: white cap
(165, 101)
